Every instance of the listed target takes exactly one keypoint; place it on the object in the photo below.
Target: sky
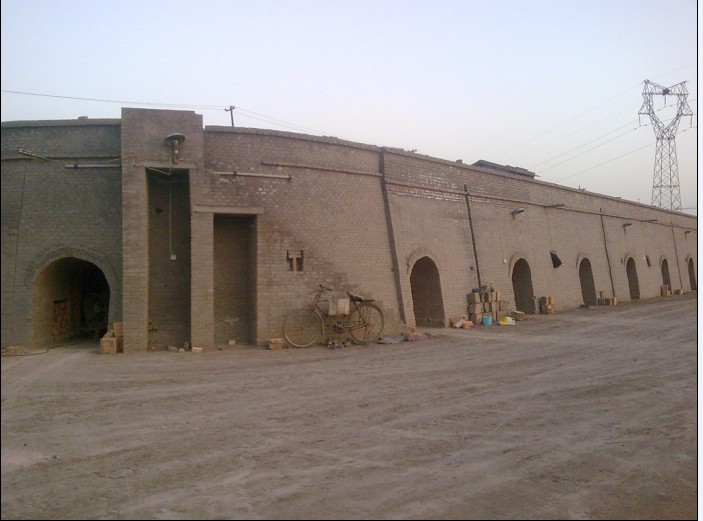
(551, 86)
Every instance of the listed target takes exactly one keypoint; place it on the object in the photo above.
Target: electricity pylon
(666, 192)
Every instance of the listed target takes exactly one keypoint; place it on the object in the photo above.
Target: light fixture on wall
(624, 226)
(687, 232)
(517, 211)
(174, 140)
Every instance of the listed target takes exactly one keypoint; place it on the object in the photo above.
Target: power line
(203, 107)
(583, 145)
(596, 139)
(591, 109)
(615, 158)
(247, 113)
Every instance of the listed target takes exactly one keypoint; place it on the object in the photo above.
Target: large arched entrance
(588, 286)
(522, 287)
(70, 297)
(692, 275)
(427, 294)
(666, 279)
(632, 279)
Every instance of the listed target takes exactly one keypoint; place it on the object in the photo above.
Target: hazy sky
(552, 86)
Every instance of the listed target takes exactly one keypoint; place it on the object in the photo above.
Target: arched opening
(588, 286)
(71, 297)
(692, 275)
(427, 294)
(522, 287)
(632, 279)
(666, 279)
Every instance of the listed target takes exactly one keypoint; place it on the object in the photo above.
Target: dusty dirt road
(587, 414)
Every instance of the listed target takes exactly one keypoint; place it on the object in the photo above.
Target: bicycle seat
(357, 298)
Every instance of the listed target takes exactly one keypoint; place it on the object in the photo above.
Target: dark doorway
(522, 287)
(632, 279)
(692, 275)
(666, 280)
(427, 294)
(235, 278)
(71, 298)
(588, 286)
(169, 258)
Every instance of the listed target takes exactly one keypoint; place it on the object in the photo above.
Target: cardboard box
(476, 308)
(338, 306)
(474, 297)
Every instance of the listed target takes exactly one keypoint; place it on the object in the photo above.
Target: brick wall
(143, 148)
(50, 212)
(357, 217)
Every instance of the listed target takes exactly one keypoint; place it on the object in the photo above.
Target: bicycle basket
(336, 306)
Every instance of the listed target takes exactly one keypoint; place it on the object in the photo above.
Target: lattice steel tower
(666, 192)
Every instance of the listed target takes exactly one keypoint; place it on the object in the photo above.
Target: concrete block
(197, 349)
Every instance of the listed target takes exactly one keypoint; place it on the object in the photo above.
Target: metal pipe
(92, 165)
(252, 174)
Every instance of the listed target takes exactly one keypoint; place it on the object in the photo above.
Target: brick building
(196, 234)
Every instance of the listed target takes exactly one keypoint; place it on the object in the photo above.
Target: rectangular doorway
(235, 278)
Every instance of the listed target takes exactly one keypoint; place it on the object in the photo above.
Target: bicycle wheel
(366, 323)
(303, 327)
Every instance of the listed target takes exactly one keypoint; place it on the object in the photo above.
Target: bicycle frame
(364, 321)
(342, 323)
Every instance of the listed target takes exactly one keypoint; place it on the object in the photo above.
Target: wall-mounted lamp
(517, 211)
(687, 232)
(174, 140)
(555, 205)
(27, 153)
(624, 226)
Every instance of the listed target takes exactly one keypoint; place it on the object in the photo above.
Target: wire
(584, 144)
(605, 162)
(591, 109)
(616, 158)
(208, 107)
(534, 167)
(240, 110)
(590, 149)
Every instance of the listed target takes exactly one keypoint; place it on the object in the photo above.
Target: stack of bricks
(119, 335)
(545, 305)
(606, 301)
(113, 341)
(665, 290)
(60, 325)
(486, 303)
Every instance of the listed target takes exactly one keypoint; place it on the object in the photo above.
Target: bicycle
(305, 326)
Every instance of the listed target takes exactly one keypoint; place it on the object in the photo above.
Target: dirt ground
(586, 414)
